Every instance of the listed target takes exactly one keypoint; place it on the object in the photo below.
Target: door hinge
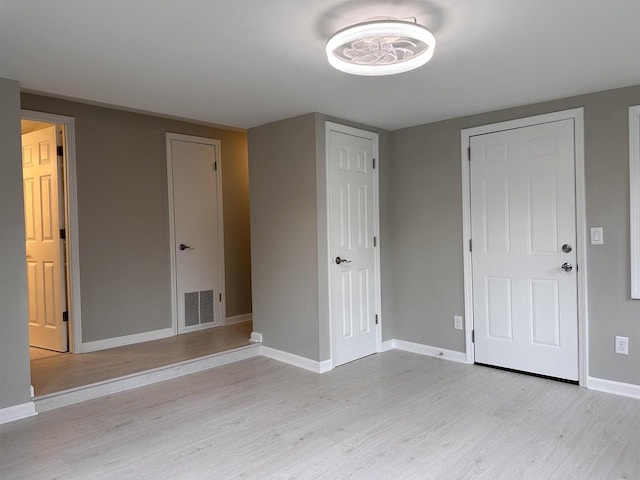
(470, 246)
(63, 234)
(374, 163)
(375, 242)
(473, 336)
(65, 316)
(215, 166)
(469, 153)
(220, 296)
(376, 319)
(60, 151)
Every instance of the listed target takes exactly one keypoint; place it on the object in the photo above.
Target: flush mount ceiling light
(381, 47)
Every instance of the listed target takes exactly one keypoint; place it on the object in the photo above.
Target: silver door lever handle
(182, 246)
(341, 260)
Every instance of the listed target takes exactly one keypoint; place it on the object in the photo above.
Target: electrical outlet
(622, 345)
(457, 322)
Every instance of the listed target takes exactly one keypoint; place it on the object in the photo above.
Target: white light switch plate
(597, 237)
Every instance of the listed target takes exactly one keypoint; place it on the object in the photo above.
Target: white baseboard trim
(126, 340)
(255, 337)
(427, 350)
(325, 366)
(388, 345)
(617, 388)
(128, 382)
(245, 317)
(296, 360)
(17, 412)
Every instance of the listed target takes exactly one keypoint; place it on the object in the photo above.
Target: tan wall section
(124, 221)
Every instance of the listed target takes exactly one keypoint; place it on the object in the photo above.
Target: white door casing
(523, 231)
(577, 115)
(44, 217)
(197, 251)
(71, 221)
(352, 186)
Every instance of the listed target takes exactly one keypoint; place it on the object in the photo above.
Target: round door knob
(567, 267)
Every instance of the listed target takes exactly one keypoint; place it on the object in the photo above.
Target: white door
(44, 218)
(197, 223)
(523, 224)
(352, 225)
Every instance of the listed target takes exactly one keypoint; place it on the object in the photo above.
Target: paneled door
(523, 223)
(194, 178)
(44, 217)
(352, 246)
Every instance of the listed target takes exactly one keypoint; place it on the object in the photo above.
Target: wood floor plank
(394, 415)
(63, 372)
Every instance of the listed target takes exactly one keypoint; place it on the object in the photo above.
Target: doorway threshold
(531, 374)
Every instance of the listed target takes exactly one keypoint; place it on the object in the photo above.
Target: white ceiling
(242, 63)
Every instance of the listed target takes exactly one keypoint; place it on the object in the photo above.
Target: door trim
(577, 115)
(71, 221)
(172, 234)
(336, 127)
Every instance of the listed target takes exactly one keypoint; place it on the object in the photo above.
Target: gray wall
(124, 220)
(289, 230)
(282, 178)
(14, 333)
(426, 228)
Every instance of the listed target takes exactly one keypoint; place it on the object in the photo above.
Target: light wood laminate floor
(36, 353)
(394, 415)
(63, 372)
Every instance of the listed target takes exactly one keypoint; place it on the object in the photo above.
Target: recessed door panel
(499, 315)
(346, 310)
(545, 312)
(497, 228)
(543, 214)
(364, 295)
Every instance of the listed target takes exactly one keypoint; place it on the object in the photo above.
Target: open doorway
(50, 236)
(44, 218)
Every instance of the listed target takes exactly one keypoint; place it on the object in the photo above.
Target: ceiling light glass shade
(380, 47)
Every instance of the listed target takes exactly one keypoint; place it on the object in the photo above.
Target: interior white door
(197, 233)
(44, 216)
(352, 225)
(523, 223)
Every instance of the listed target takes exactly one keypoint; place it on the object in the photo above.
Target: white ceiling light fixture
(381, 46)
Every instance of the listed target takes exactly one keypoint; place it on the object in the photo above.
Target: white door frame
(172, 234)
(71, 222)
(336, 127)
(577, 115)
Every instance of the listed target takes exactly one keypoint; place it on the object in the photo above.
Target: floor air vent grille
(198, 308)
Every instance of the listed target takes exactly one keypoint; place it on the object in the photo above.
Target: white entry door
(352, 188)
(523, 223)
(195, 201)
(44, 217)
